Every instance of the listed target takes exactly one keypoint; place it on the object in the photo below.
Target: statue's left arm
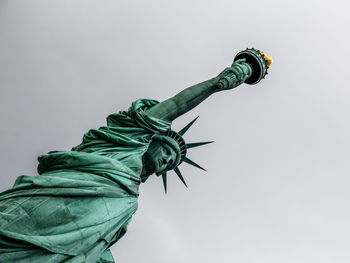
(189, 98)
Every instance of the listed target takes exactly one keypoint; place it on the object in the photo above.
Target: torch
(256, 66)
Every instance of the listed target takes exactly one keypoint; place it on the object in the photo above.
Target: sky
(278, 179)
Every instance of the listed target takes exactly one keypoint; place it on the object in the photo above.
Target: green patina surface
(83, 199)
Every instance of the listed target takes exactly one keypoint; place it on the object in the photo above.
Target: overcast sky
(278, 180)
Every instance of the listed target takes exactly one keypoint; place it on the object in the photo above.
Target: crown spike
(164, 175)
(184, 130)
(193, 163)
(196, 144)
(177, 171)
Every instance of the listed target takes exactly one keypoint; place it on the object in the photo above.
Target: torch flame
(268, 59)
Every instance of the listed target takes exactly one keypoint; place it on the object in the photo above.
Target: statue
(83, 199)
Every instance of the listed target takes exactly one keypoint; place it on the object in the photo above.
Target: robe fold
(83, 199)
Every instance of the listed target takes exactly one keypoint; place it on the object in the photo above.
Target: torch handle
(230, 80)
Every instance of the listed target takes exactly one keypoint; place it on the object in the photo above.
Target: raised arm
(189, 98)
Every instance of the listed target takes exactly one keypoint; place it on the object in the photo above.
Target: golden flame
(268, 58)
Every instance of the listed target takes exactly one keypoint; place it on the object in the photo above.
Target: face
(159, 157)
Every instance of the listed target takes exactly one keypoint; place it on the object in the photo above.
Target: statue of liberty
(83, 199)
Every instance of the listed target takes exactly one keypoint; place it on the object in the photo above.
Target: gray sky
(277, 186)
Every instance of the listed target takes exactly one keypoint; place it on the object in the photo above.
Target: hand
(233, 76)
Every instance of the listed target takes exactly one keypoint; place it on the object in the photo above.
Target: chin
(144, 177)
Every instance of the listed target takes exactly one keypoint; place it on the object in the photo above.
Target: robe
(83, 199)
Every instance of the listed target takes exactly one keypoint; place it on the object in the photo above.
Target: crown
(177, 137)
(180, 142)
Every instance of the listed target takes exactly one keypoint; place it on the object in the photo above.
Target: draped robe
(83, 199)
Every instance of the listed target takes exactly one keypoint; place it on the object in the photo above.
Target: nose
(166, 160)
(169, 160)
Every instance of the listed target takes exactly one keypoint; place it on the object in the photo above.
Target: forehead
(169, 148)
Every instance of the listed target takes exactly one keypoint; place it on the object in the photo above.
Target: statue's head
(166, 152)
(163, 154)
